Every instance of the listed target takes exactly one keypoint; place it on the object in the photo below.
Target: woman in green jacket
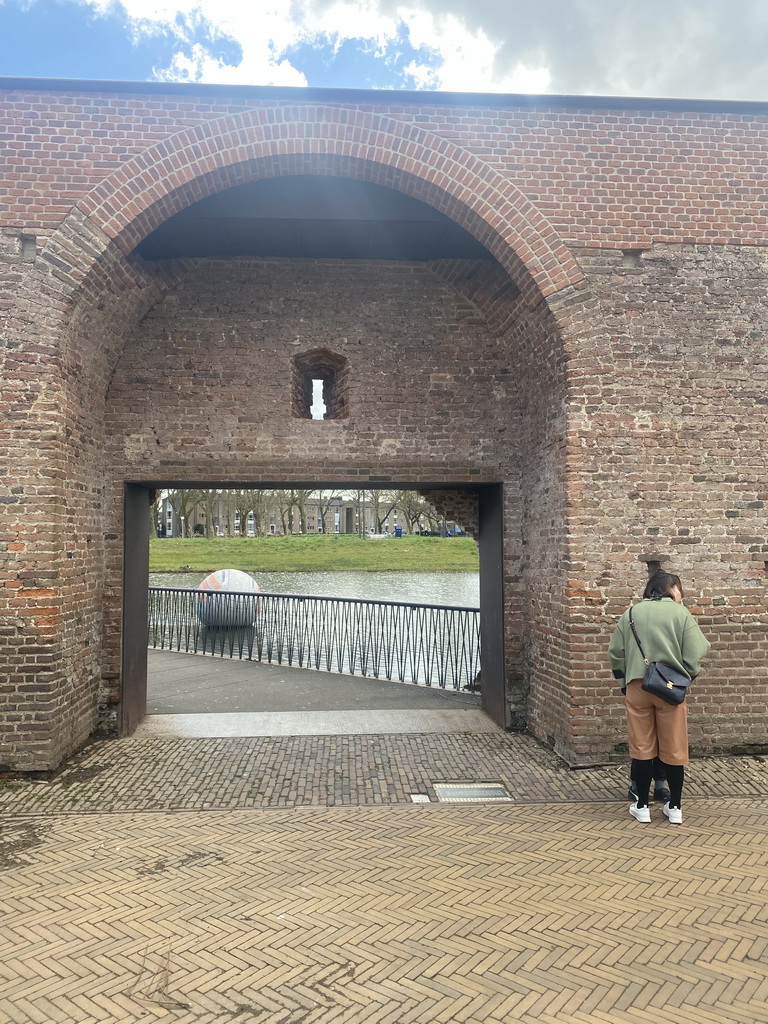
(656, 729)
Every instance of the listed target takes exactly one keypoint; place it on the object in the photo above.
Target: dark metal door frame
(133, 695)
(133, 701)
(491, 544)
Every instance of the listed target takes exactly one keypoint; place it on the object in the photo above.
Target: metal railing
(436, 645)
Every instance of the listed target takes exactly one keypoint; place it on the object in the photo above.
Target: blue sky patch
(61, 39)
(360, 63)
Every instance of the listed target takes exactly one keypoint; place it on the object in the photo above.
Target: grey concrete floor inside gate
(200, 695)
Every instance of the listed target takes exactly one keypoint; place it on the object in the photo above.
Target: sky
(695, 49)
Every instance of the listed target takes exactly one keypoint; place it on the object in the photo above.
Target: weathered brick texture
(609, 369)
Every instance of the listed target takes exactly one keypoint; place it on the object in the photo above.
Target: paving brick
(536, 912)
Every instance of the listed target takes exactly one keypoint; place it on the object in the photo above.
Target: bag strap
(637, 638)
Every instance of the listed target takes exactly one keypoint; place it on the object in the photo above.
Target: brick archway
(221, 153)
(87, 262)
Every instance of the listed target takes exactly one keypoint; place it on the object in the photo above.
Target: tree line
(218, 512)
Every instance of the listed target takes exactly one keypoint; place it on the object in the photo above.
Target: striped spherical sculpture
(223, 599)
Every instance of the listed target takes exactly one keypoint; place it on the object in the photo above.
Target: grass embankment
(313, 553)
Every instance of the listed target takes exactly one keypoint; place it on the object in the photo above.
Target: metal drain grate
(471, 792)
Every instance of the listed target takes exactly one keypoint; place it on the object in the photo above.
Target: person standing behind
(660, 788)
(656, 729)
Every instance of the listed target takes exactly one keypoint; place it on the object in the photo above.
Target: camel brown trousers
(656, 728)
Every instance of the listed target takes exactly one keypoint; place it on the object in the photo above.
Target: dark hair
(660, 585)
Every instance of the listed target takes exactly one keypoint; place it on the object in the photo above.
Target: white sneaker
(674, 814)
(642, 813)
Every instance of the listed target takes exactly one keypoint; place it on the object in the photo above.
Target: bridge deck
(200, 695)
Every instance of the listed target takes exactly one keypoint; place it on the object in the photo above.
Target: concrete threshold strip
(315, 723)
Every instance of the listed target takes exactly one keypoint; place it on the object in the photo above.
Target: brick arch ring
(217, 154)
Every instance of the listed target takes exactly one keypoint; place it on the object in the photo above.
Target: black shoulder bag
(660, 679)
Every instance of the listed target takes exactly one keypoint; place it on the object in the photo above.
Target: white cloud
(197, 65)
(346, 21)
(467, 58)
(688, 48)
(262, 30)
(685, 48)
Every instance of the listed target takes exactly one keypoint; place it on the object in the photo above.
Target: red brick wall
(620, 395)
(611, 177)
(668, 460)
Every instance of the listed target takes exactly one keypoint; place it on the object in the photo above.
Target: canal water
(443, 588)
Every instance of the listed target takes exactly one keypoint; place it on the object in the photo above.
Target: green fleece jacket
(668, 633)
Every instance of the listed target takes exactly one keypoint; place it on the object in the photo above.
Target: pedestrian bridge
(435, 645)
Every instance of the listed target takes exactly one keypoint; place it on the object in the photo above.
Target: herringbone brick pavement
(558, 913)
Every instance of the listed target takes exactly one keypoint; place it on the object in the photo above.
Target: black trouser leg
(660, 787)
(659, 778)
(642, 773)
(675, 778)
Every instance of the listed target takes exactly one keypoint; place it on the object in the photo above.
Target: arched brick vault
(105, 227)
(88, 260)
(229, 151)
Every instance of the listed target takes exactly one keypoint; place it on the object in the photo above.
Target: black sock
(675, 778)
(642, 773)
